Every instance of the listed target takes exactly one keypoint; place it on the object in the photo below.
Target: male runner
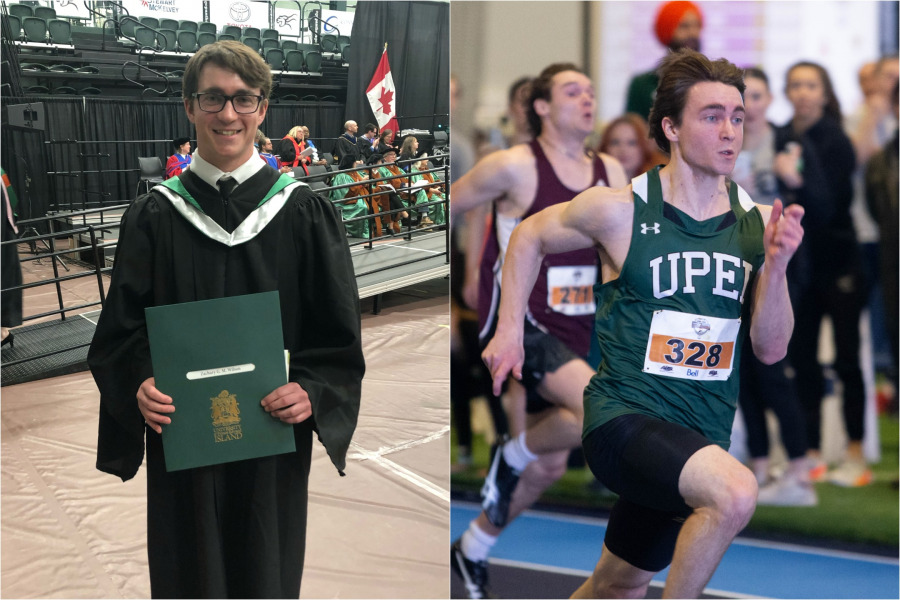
(682, 247)
(521, 181)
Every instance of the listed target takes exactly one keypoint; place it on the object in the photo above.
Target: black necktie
(226, 186)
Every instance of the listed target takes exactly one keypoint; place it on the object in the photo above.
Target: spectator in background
(10, 268)
(291, 150)
(347, 143)
(385, 141)
(627, 138)
(367, 140)
(315, 158)
(678, 25)
(408, 150)
(388, 199)
(814, 165)
(356, 205)
(179, 161)
(870, 127)
(882, 195)
(768, 386)
(514, 128)
(434, 192)
(264, 147)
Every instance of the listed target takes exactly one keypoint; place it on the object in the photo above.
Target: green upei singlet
(671, 326)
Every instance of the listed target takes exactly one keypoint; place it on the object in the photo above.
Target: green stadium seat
(146, 38)
(275, 58)
(314, 62)
(233, 30)
(45, 12)
(225, 36)
(270, 43)
(250, 32)
(149, 22)
(289, 45)
(205, 37)
(167, 39)
(294, 60)
(21, 10)
(35, 29)
(15, 26)
(168, 24)
(251, 42)
(187, 40)
(60, 31)
(206, 26)
(269, 34)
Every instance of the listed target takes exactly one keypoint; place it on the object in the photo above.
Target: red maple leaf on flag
(382, 95)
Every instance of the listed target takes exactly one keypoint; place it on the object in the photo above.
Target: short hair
(516, 86)
(540, 90)
(180, 141)
(384, 134)
(231, 55)
(832, 104)
(347, 124)
(371, 127)
(294, 130)
(259, 138)
(757, 73)
(678, 73)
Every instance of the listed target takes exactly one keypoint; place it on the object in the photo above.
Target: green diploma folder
(218, 359)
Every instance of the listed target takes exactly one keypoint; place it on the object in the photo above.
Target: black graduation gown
(238, 529)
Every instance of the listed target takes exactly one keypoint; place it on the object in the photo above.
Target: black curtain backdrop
(123, 130)
(418, 39)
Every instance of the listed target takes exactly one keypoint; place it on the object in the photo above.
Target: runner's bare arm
(491, 178)
(773, 317)
(583, 222)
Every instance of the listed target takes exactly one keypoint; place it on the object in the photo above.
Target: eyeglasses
(212, 102)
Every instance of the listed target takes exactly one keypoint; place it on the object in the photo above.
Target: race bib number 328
(691, 346)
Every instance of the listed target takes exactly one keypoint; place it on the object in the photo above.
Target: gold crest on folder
(226, 418)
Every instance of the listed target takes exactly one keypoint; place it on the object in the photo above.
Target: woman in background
(814, 163)
(627, 138)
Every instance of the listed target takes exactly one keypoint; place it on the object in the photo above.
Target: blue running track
(750, 568)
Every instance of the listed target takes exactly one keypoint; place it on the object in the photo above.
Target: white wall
(494, 43)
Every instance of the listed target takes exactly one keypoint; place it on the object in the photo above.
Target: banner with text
(241, 14)
(165, 9)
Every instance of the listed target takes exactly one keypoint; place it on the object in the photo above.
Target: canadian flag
(383, 97)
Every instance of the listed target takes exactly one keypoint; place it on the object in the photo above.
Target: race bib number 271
(691, 346)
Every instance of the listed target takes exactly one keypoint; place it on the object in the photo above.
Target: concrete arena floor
(70, 531)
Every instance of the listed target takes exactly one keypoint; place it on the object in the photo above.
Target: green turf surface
(867, 515)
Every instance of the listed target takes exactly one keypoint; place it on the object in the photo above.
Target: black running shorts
(544, 354)
(641, 458)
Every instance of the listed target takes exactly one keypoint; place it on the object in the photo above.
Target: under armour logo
(645, 229)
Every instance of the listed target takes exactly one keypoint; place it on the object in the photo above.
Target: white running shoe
(787, 491)
(850, 473)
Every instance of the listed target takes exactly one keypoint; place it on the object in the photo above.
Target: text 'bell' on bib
(691, 346)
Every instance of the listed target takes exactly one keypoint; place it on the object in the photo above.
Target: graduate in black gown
(236, 529)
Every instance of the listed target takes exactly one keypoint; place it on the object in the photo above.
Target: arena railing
(96, 267)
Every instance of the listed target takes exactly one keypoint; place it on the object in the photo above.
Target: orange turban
(669, 17)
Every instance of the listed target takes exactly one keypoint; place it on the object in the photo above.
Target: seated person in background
(292, 147)
(408, 151)
(388, 199)
(264, 147)
(356, 205)
(316, 159)
(437, 213)
(385, 141)
(628, 139)
(368, 140)
(179, 161)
